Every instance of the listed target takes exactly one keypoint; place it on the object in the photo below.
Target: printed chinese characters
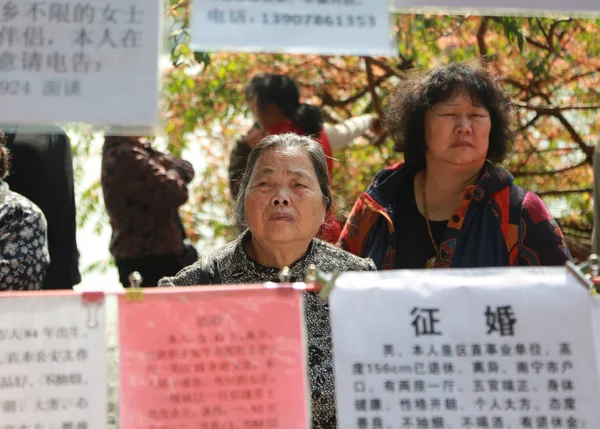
(47, 48)
(52, 371)
(504, 381)
(208, 372)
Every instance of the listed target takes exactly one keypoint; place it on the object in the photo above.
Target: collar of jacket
(4, 188)
(386, 185)
(125, 142)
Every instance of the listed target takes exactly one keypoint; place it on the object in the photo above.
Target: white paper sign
(73, 61)
(328, 27)
(535, 7)
(497, 348)
(52, 364)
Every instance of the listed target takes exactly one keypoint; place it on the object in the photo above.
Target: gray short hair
(309, 146)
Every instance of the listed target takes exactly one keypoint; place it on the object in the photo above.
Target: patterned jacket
(24, 256)
(497, 224)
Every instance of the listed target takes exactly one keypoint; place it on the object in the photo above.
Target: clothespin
(587, 273)
(285, 275)
(134, 292)
(93, 300)
(326, 281)
(591, 269)
(318, 281)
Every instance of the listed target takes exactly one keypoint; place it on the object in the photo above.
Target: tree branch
(588, 150)
(371, 82)
(557, 113)
(552, 110)
(549, 172)
(330, 101)
(537, 44)
(527, 89)
(556, 192)
(538, 151)
(483, 26)
(582, 75)
(529, 123)
(551, 34)
(389, 69)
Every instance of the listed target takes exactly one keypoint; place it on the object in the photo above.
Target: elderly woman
(24, 256)
(283, 200)
(449, 204)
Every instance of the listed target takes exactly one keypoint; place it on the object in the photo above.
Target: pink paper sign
(213, 358)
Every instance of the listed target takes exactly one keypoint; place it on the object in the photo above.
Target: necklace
(430, 262)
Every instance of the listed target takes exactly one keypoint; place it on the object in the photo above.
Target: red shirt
(331, 229)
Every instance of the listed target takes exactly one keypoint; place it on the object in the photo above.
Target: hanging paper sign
(53, 372)
(220, 358)
(501, 348)
(72, 61)
(327, 27)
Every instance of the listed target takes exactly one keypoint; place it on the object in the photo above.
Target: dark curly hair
(414, 96)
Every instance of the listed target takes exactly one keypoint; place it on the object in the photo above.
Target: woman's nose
(464, 126)
(280, 199)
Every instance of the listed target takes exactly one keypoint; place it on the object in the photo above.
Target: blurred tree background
(550, 66)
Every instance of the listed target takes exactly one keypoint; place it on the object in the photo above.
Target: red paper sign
(213, 358)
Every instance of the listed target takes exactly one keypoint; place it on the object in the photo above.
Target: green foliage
(550, 67)
(547, 65)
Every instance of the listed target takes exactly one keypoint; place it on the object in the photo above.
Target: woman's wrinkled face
(284, 202)
(457, 131)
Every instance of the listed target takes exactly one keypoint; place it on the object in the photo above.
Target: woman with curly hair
(449, 204)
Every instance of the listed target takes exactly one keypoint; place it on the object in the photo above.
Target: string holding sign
(573, 8)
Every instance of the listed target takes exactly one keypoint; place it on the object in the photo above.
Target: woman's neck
(441, 183)
(444, 189)
(275, 255)
(273, 119)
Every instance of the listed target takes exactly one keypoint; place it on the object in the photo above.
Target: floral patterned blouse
(24, 255)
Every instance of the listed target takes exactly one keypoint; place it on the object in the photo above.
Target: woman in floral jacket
(24, 255)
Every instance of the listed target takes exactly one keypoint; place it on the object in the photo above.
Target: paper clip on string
(324, 281)
(134, 292)
(93, 302)
(588, 273)
(314, 281)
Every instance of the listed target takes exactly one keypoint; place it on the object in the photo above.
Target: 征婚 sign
(328, 27)
(72, 61)
(485, 348)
